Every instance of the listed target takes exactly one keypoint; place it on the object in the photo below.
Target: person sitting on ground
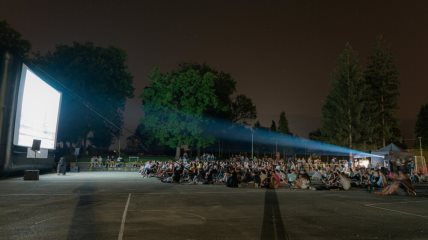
(316, 176)
(275, 179)
(257, 180)
(291, 176)
(373, 180)
(406, 183)
(92, 163)
(232, 181)
(355, 177)
(263, 177)
(400, 181)
(302, 182)
(266, 183)
(392, 188)
(345, 182)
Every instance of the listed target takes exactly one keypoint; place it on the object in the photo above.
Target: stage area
(124, 205)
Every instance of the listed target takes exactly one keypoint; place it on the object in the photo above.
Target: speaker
(31, 175)
(36, 145)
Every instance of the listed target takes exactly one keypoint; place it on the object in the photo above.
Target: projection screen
(37, 111)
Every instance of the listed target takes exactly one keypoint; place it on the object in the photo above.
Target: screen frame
(22, 78)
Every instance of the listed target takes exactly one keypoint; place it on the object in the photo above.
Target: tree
(381, 79)
(174, 104)
(11, 41)
(315, 135)
(224, 87)
(341, 113)
(273, 126)
(283, 124)
(257, 124)
(143, 140)
(95, 83)
(243, 109)
(421, 128)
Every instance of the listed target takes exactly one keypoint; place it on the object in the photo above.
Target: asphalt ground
(115, 205)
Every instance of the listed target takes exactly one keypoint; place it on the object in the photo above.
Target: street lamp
(420, 145)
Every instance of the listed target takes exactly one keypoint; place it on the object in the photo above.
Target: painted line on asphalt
(396, 211)
(44, 220)
(382, 203)
(122, 225)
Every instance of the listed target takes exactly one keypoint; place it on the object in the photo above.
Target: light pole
(420, 145)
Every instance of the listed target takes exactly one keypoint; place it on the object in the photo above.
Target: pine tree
(283, 124)
(341, 113)
(381, 97)
(421, 129)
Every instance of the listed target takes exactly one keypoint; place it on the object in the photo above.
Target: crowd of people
(107, 162)
(297, 173)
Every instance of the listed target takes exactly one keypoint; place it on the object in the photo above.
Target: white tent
(390, 152)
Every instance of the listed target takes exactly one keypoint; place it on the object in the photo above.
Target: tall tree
(283, 124)
(243, 109)
(174, 104)
(341, 113)
(96, 83)
(224, 87)
(12, 41)
(421, 129)
(381, 96)
(273, 126)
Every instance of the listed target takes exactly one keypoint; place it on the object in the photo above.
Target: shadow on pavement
(273, 227)
(83, 223)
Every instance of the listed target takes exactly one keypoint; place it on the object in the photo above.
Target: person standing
(61, 168)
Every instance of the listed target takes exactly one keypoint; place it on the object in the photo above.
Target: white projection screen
(37, 111)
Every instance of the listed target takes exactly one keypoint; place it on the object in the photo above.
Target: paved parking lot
(113, 205)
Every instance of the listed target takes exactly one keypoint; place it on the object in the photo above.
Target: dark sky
(281, 53)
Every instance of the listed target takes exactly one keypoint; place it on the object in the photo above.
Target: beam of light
(231, 131)
(221, 129)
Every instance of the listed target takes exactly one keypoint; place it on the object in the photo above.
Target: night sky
(281, 53)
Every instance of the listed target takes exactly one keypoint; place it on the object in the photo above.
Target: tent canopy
(389, 148)
(388, 152)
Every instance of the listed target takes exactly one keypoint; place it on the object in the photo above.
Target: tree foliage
(315, 135)
(239, 109)
(283, 124)
(421, 128)
(224, 87)
(257, 124)
(12, 41)
(243, 109)
(273, 126)
(174, 105)
(341, 113)
(96, 84)
(381, 96)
